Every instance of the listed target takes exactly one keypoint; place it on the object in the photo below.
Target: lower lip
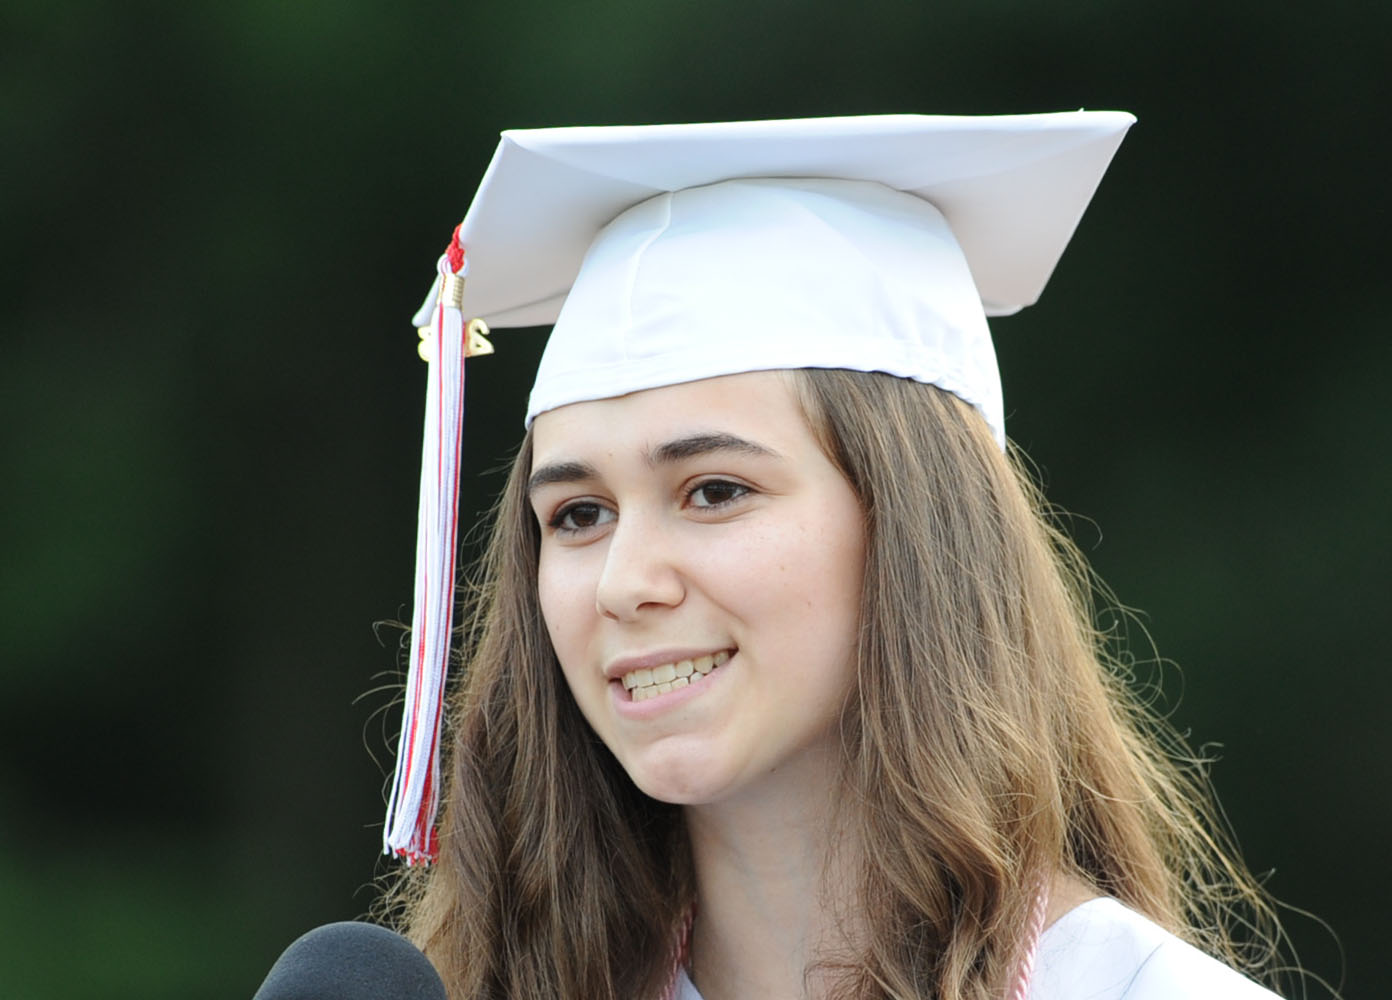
(627, 708)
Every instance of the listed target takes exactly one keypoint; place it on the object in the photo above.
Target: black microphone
(352, 961)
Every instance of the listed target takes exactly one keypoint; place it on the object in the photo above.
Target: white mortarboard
(670, 253)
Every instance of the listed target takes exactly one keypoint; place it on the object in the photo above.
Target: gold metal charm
(476, 340)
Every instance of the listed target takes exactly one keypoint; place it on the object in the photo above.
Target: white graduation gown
(1103, 951)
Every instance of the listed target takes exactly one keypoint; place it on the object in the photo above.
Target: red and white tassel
(415, 795)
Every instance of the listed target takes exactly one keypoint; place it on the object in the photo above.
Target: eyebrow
(705, 444)
(676, 450)
(559, 472)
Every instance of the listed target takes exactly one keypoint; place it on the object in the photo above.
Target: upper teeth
(653, 681)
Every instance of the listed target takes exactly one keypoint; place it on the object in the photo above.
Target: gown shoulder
(1102, 950)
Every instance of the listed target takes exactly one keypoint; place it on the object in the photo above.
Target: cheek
(825, 582)
(560, 611)
(559, 598)
(846, 564)
(823, 553)
(808, 580)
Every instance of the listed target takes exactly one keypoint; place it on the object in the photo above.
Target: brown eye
(716, 492)
(580, 516)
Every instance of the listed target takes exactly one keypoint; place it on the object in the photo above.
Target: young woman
(776, 681)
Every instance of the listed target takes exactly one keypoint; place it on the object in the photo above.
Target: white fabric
(757, 274)
(1103, 951)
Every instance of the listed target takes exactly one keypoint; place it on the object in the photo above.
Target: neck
(768, 864)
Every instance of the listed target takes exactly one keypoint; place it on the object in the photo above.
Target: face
(700, 577)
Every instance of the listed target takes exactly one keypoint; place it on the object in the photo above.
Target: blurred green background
(218, 218)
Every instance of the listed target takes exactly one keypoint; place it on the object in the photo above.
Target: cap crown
(756, 274)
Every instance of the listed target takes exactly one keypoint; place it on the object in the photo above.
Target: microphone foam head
(352, 961)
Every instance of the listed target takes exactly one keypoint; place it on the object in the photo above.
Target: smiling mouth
(651, 682)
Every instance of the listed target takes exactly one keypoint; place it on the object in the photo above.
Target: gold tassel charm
(476, 340)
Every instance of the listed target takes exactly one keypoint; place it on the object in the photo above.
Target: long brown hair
(991, 744)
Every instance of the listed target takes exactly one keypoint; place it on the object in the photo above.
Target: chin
(687, 781)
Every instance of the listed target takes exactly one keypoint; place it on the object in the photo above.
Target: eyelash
(738, 491)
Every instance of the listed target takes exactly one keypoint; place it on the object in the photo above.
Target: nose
(641, 570)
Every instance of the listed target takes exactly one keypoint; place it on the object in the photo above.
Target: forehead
(760, 406)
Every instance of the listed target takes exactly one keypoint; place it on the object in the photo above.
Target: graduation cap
(670, 253)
